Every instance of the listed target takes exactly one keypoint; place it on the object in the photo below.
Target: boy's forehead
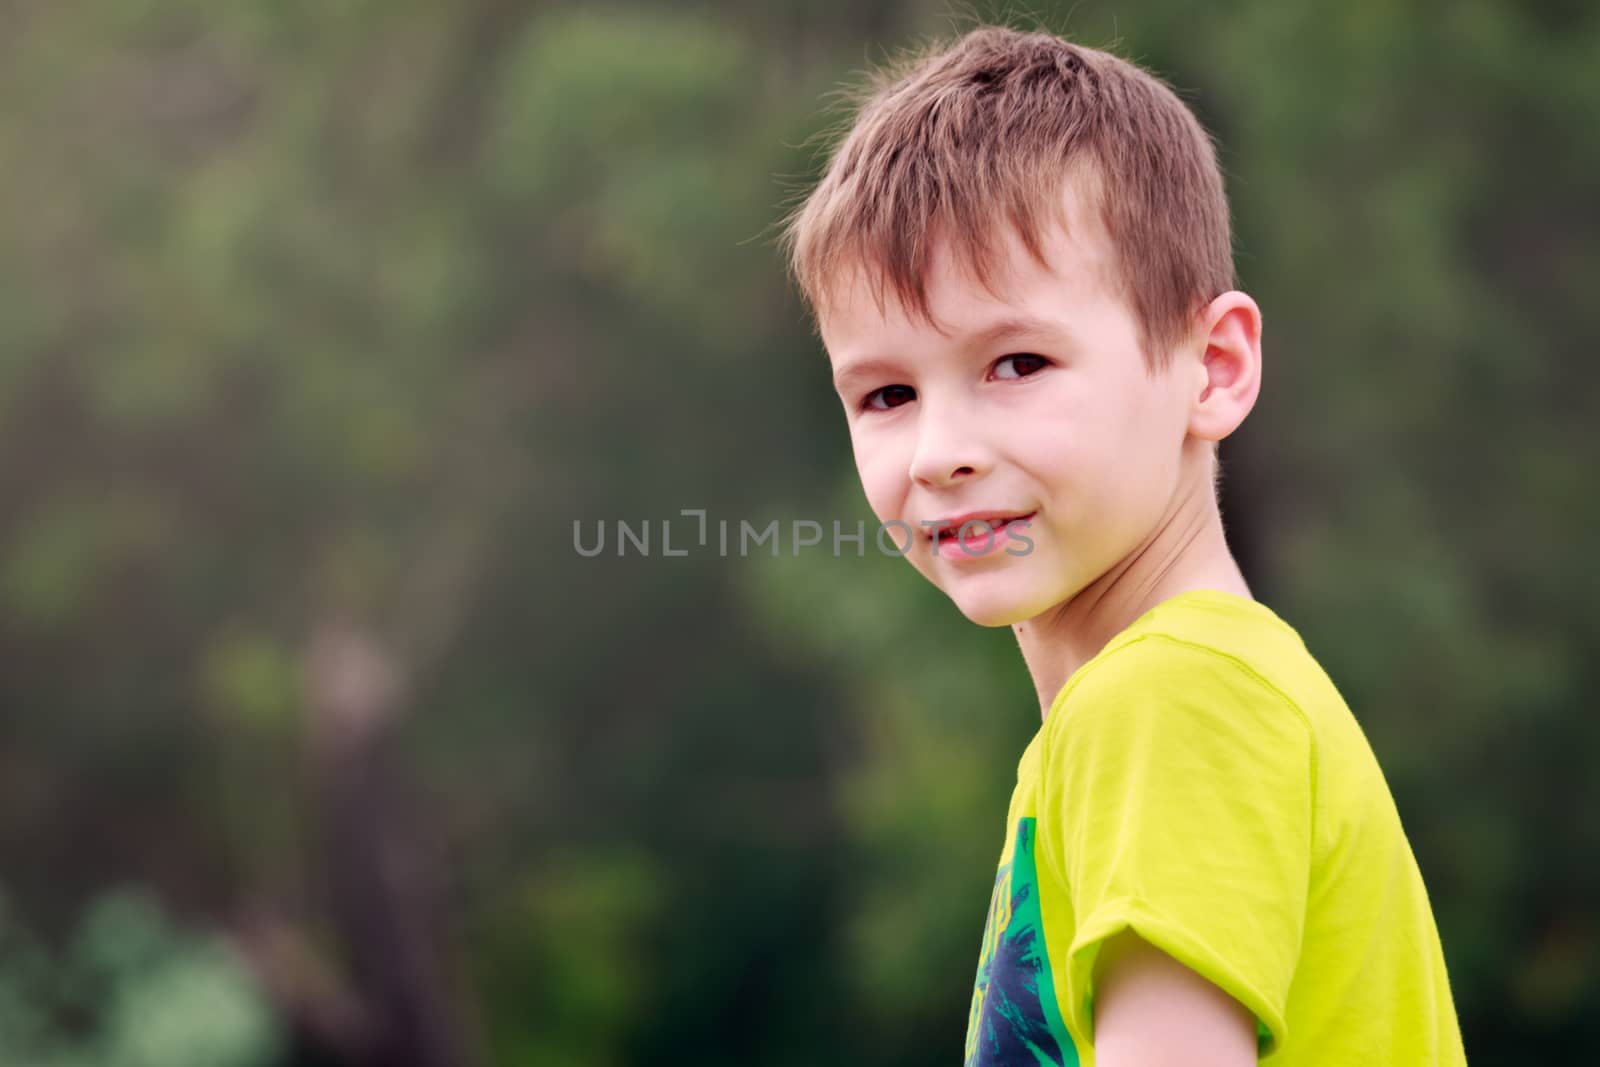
(1079, 268)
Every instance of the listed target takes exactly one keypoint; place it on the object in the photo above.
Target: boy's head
(1021, 266)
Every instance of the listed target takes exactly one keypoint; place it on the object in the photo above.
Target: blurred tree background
(321, 325)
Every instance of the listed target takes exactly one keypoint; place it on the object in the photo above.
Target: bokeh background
(322, 323)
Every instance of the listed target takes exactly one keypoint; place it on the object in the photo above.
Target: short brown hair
(955, 139)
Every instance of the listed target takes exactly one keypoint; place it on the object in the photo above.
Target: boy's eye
(1022, 364)
(1016, 365)
(890, 396)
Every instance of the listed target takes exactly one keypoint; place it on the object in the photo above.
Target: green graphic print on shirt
(1015, 1020)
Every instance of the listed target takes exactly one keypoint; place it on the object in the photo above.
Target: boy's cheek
(883, 481)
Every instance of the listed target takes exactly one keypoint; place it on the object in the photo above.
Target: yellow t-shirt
(1202, 781)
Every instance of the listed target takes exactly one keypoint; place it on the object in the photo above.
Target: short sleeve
(1177, 800)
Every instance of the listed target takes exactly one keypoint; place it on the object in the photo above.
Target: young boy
(1020, 262)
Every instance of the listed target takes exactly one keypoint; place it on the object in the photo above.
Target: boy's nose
(947, 451)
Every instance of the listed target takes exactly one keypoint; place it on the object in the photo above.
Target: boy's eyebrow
(1012, 329)
(862, 369)
(1000, 332)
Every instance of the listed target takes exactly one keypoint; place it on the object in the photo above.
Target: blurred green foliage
(128, 990)
(348, 311)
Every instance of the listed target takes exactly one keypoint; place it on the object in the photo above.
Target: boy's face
(1037, 407)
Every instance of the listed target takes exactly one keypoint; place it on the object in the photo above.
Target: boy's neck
(1186, 550)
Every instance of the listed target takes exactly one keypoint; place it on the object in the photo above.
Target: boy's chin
(994, 607)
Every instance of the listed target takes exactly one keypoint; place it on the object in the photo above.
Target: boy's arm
(1152, 1011)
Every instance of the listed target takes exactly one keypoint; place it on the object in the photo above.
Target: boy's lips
(990, 522)
(975, 535)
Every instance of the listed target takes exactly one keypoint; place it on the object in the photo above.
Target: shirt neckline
(1213, 596)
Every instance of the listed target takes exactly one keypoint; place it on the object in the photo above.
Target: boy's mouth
(979, 525)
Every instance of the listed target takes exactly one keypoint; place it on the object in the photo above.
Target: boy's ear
(1227, 371)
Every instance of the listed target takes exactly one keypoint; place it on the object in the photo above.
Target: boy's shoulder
(1225, 624)
(1213, 680)
(1203, 647)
